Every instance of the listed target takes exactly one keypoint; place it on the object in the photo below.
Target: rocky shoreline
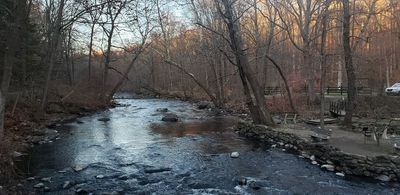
(383, 168)
(25, 133)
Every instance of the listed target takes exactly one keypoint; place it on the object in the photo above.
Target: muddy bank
(382, 168)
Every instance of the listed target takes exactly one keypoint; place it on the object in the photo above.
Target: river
(134, 152)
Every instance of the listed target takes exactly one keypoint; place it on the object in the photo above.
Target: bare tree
(300, 14)
(95, 16)
(141, 16)
(54, 30)
(252, 89)
(113, 11)
(348, 58)
(323, 68)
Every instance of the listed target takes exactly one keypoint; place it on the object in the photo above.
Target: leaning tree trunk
(203, 87)
(254, 95)
(280, 71)
(124, 76)
(348, 58)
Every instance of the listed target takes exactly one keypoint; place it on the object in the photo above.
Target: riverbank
(23, 132)
(384, 167)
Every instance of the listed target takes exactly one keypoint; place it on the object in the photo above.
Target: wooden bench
(364, 91)
(272, 90)
(290, 116)
(336, 90)
(343, 90)
(367, 132)
(337, 108)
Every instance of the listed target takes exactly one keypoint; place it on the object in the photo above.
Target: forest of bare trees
(226, 51)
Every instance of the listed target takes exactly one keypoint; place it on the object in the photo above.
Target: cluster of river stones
(384, 168)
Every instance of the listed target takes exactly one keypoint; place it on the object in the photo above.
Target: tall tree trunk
(221, 79)
(348, 59)
(310, 75)
(113, 11)
(107, 63)
(323, 63)
(13, 33)
(91, 51)
(253, 91)
(68, 57)
(269, 40)
(52, 52)
(9, 60)
(220, 102)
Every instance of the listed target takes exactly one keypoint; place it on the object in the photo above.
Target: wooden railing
(337, 108)
(272, 90)
(343, 90)
(336, 90)
(329, 90)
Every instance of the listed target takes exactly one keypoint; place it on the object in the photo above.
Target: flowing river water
(134, 152)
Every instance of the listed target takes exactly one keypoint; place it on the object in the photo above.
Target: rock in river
(78, 168)
(383, 178)
(46, 189)
(66, 185)
(170, 118)
(340, 174)
(162, 110)
(105, 119)
(39, 185)
(328, 167)
(204, 105)
(157, 170)
(235, 154)
(99, 176)
(123, 177)
(46, 179)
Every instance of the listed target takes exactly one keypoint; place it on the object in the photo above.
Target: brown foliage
(384, 106)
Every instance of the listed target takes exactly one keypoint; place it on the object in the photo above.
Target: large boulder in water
(235, 155)
(104, 119)
(204, 105)
(163, 110)
(170, 118)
